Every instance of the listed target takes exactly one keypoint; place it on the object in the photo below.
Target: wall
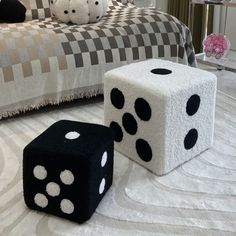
(162, 5)
(219, 23)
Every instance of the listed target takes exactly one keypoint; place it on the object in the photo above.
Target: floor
(198, 198)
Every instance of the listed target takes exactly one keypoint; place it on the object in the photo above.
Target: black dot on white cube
(117, 130)
(143, 109)
(129, 123)
(144, 150)
(193, 104)
(190, 139)
(161, 71)
(117, 98)
(68, 169)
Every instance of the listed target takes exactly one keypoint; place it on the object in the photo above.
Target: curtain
(180, 8)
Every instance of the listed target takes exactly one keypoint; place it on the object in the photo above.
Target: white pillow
(78, 11)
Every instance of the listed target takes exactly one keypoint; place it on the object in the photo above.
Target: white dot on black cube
(53, 189)
(67, 206)
(102, 186)
(72, 135)
(104, 159)
(67, 177)
(41, 200)
(40, 172)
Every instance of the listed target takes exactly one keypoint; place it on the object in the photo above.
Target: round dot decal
(67, 206)
(40, 172)
(161, 71)
(40, 200)
(53, 189)
(190, 139)
(117, 130)
(102, 186)
(193, 105)
(143, 109)
(117, 98)
(72, 135)
(104, 159)
(65, 12)
(144, 150)
(67, 177)
(129, 123)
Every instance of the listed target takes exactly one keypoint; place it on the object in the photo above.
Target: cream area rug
(198, 198)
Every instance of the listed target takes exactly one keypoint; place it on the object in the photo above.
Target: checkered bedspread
(72, 56)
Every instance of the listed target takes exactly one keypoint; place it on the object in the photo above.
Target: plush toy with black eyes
(79, 11)
(12, 11)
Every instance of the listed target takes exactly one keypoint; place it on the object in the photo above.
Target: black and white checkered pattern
(126, 1)
(126, 34)
(37, 9)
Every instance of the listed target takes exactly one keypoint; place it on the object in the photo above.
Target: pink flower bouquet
(216, 46)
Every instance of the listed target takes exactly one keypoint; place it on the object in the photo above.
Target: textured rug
(198, 198)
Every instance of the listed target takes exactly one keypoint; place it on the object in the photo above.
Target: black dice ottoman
(68, 169)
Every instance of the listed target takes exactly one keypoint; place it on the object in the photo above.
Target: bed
(43, 61)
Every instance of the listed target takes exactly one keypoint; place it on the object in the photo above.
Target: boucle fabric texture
(162, 112)
(68, 169)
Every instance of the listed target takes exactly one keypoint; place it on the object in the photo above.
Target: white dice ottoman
(162, 112)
